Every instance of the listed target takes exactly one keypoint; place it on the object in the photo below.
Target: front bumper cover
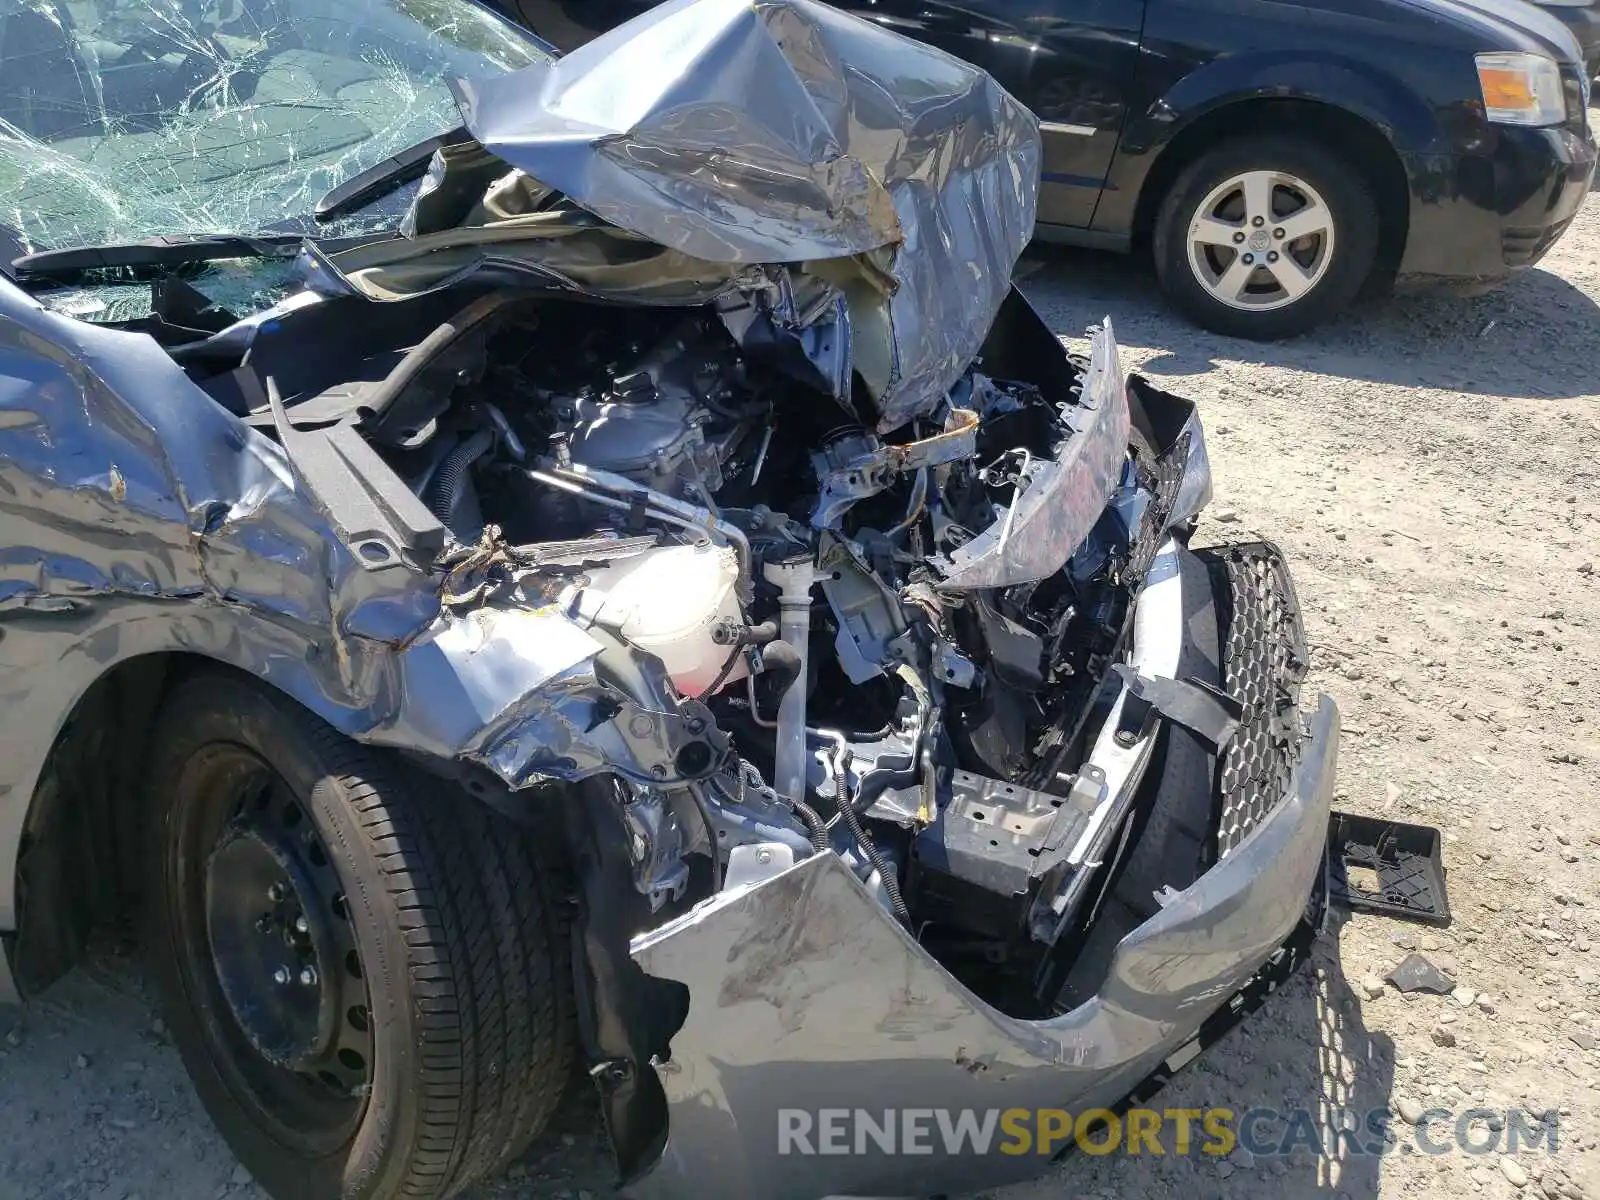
(805, 994)
(1478, 219)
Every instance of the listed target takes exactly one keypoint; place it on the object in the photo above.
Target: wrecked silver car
(507, 558)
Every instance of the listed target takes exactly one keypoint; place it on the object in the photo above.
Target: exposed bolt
(1238, 239)
(277, 892)
(1278, 233)
(1258, 222)
(263, 923)
(763, 857)
(308, 976)
(612, 1071)
(1248, 259)
(1272, 256)
(300, 924)
(281, 976)
(1127, 737)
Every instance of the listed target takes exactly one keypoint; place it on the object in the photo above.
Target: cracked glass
(126, 119)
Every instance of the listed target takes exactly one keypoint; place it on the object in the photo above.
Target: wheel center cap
(1260, 240)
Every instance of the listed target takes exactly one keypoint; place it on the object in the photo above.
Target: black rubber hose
(712, 845)
(444, 489)
(858, 735)
(813, 821)
(875, 784)
(847, 810)
(750, 635)
(419, 356)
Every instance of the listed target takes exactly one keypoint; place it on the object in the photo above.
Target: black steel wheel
(262, 919)
(369, 988)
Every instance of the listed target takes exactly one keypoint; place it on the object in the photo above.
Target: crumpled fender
(141, 518)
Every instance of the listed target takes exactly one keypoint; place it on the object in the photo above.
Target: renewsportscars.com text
(1177, 1131)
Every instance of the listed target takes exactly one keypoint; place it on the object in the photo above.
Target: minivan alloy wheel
(1260, 240)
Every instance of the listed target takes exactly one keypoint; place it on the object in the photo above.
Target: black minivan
(1274, 158)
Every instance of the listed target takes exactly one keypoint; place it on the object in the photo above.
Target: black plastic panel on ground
(1264, 660)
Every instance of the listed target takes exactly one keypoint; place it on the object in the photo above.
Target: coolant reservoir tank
(667, 602)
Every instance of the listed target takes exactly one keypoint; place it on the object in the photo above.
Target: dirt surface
(1432, 467)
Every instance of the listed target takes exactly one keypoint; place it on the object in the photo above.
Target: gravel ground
(1430, 465)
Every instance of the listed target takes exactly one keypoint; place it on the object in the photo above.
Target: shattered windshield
(124, 119)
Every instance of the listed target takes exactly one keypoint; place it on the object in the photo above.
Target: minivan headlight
(1521, 89)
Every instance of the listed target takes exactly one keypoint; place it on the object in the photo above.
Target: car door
(1071, 61)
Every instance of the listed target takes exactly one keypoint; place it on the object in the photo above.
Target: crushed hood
(835, 188)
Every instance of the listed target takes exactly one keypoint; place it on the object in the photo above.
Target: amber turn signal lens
(1506, 89)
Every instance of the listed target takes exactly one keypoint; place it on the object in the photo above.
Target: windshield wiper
(172, 250)
(184, 249)
(387, 176)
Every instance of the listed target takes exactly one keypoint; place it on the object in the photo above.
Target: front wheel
(365, 983)
(1263, 237)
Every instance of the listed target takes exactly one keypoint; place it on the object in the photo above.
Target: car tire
(367, 985)
(1173, 820)
(1215, 204)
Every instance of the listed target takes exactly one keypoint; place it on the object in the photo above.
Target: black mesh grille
(1263, 665)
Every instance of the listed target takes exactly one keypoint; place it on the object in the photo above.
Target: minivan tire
(1343, 187)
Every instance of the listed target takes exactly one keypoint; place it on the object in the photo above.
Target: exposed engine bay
(724, 503)
(863, 641)
(720, 499)
(690, 591)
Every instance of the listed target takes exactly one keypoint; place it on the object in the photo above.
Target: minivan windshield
(126, 119)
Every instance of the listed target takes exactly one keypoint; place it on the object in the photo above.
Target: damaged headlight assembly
(686, 488)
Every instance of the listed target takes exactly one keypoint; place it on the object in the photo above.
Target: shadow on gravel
(1309, 1089)
(96, 1104)
(1536, 337)
(1330, 1067)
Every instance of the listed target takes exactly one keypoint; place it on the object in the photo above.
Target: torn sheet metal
(718, 139)
(156, 522)
(776, 131)
(786, 1013)
(1050, 517)
(854, 468)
